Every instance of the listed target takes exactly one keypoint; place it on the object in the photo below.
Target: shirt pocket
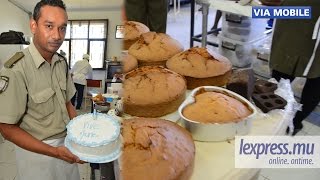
(42, 103)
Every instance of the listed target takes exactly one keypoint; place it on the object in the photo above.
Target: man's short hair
(55, 3)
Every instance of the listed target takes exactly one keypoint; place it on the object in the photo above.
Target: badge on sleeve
(4, 81)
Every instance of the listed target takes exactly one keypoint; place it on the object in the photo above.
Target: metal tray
(216, 131)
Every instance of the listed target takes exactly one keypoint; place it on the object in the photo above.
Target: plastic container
(264, 47)
(236, 27)
(236, 20)
(242, 28)
(261, 68)
(260, 63)
(238, 52)
(237, 34)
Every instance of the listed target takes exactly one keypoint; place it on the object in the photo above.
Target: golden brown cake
(201, 67)
(154, 49)
(152, 91)
(129, 63)
(215, 107)
(155, 149)
(132, 32)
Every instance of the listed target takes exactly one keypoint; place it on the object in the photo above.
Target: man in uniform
(35, 94)
(295, 52)
(152, 13)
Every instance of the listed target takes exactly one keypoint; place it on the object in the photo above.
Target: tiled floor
(178, 27)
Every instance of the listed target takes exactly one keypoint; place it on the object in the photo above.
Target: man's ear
(33, 25)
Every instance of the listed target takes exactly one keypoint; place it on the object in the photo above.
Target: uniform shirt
(81, 71)
(36, 95)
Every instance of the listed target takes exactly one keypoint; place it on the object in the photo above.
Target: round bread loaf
(154, 49)
(215, 107)
(152, 91)
(155, 149)
(129, 63)
(201, 67)
(132, 32)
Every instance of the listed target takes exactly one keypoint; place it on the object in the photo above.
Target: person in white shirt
(80, 72)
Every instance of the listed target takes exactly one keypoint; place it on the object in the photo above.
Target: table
(215, 160)
(223, 5)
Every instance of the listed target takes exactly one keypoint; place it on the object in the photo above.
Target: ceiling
(75, 5)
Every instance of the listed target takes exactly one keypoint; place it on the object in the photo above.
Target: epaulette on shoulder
(13, 60)
(64, 58)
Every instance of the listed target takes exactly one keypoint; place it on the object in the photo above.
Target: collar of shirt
(38, 59)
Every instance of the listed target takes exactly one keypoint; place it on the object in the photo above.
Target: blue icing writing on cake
(89, 130)
(94, 139)
(90, 125)
(88, 135)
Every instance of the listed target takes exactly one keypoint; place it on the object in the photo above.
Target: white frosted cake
(94, 139)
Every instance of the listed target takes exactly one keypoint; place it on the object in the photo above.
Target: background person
(152, 13)
(80, 72)
(295, 46)
(216, 22)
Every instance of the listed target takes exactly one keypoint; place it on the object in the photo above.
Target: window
(86, 37)
(98, 53)
(78, 48)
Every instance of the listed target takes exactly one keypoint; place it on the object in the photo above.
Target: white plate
(92, 158)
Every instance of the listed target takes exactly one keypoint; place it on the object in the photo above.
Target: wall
(11, 18)
(113, 15)
(114, 18)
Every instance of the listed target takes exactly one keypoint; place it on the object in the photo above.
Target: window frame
(88, 39)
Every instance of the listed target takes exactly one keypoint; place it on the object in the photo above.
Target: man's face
(50, 29)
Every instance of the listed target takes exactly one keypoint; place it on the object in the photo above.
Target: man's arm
(13, 100)
(89, 75)
(71, 110)
(26, 141)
